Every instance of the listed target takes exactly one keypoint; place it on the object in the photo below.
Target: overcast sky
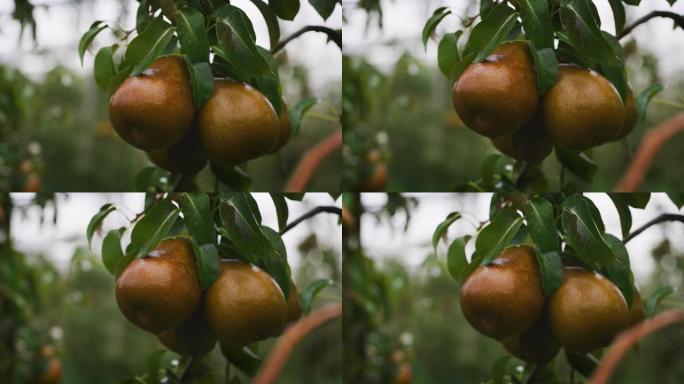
(381, 241)
(61, 25)
(58, 242)
(404, 21)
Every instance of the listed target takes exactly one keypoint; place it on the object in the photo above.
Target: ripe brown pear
(294, 306)
(187, 156)
(499, 95)
(154, 110)
(587, 311)
(376, 181)
(536, 345)
(284, 128)
(237, 124)
(582, 110)
(630, 115)
(161, 290)
(636, 311)
(504, 298)
(192, 338)
(530, 143)
(244, 304)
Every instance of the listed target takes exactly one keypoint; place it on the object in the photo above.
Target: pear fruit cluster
(504, 300)
(160, 293)
(154, 112)
(498, 98)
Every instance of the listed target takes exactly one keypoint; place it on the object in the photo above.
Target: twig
(660, 219)
(650, 146)
(270, 369)
(522, 175)
(310, 161)
(186, 371)
(311, 213)
(333, 35)
(630, 337)
(678, 19)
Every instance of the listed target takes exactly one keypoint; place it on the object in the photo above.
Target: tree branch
(270, 369)
(186, 371)
(522, 175)
(312, 213)
(678, 19)
(649, 148)
(660, 219)
(630, 337)
(311, 160)
(333, 35)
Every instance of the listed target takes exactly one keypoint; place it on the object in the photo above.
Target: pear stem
(660, 219)
(333, 35)
(678, 19)
(311, 213)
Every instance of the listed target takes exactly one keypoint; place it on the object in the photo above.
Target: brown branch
(678, 19)
(629, 338)
(270, 369)
(660, 219)
(311, 160)
(311, 213)
(649, 148)
(335, 36)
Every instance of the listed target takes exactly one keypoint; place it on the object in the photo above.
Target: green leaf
(198, 217)
(201, 81)
(236, 35)
(306, 297)
(546, 68)
(457, 264)
(638, 200)
(139, 48)
(654, 298)
(155, 51)
(277, 265)
(582, 28)
(271, 22)
(499, 366)
(104, 67)
(142, 16)
(111, 249)
(677, 199)
(541, 224)
(536, 20)
(443, 227)
(281, 209)
(297, 113)
(96, 220)
(192, 35)
(324, 8)
(152, 228)
(89, 36)
(240, 226)
(432, 23)
(584, 231)
(490, 32)
(619, 271)
(550, 271)
(623, 211)
(581, 362)
(578, 163)
(618, 15)
(285, 9)
(447, 53)
(208, 262)
(494, 238)
(645, 98)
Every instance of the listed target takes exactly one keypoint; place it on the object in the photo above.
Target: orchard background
(406, 107)
(401, 297)
(55, 116)
(56, 291)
